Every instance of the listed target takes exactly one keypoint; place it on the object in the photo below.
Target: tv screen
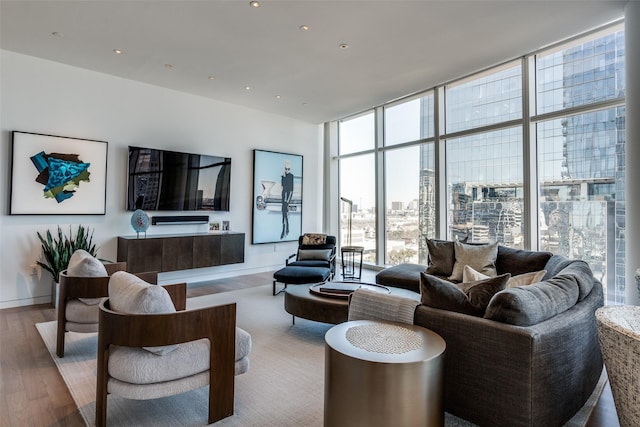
(161, 180)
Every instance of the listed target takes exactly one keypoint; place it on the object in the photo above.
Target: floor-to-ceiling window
(538, 140)
(581, 145)
(357, 184)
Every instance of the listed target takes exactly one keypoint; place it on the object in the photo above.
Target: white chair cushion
(132, 295)
(83, 264)
(79, 312)
(136, 366)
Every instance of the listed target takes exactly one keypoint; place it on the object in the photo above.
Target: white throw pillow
(470, 275)
(132, 295)
(83, 264)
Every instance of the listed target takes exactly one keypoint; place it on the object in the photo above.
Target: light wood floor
(32, 392)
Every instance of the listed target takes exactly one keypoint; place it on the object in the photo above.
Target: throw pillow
(132, 295)
(314, 239)
(470, 275)
(83, 264)
(473, 299)
(529, 305)
(481, 258)
(314, 254)
(441, 257)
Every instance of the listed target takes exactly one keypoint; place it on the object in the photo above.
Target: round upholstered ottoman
(298, 275)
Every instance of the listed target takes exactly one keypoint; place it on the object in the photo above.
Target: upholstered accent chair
(315, 261)
(149, 346)
(619, 334)
(83, 285)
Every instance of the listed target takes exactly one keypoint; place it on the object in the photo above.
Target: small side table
(348, 254)
(380, 374)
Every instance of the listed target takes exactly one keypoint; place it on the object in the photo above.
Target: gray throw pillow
(482, 258)
(83, 264)
(471, 299)
(441, 257)
(314, 254)
(529, 305)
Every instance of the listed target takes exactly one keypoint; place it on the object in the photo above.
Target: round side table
(383, 374)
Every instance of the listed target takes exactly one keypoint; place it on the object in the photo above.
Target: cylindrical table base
(372, 393)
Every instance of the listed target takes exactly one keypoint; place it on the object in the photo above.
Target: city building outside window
(576, 136)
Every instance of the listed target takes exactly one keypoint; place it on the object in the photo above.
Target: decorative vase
(140, 222)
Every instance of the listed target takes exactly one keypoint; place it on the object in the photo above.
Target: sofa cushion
(520, 261)
(405, 276)
(469, 275)
(529, 305)
(555, 264)
(481, 258)
(441, 257)
(83, 264)
(132, 295)
(470, 298)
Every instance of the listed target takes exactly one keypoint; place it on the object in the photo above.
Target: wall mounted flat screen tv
(161, 180)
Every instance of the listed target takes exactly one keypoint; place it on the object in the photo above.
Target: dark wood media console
(180, 251)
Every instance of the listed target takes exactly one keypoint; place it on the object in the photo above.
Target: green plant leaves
(56, 251)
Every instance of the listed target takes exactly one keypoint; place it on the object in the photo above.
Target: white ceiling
(396, 47)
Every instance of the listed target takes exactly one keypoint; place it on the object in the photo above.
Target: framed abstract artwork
(57, 175)
(277, 197)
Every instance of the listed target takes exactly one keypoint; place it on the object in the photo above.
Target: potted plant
(56, 251)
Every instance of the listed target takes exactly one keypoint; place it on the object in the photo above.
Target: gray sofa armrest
(501, 374)
(365, 304)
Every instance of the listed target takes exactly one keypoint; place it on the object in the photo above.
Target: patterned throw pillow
(314, 239)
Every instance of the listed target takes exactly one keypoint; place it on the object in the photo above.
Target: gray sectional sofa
(532, 356)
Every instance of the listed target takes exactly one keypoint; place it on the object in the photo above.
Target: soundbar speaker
(179, 219)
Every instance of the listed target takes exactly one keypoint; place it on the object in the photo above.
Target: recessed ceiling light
(247, 88)
(57, 34)
(212, 77)
(117, 51)
(277, 96)
(168, 66)
(303, 27)
(343, 46)
(254, 3)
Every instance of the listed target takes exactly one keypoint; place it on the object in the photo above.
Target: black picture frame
(57, 175)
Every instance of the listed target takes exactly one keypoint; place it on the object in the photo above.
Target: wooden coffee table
(312, 304)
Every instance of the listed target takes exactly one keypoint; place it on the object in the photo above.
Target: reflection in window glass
(581, 164)
(486, 100)
(409, 121)
(357, 134)
(485, 193)
(357, 184)
(588, 72)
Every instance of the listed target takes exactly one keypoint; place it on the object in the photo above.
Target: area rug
(283, 387)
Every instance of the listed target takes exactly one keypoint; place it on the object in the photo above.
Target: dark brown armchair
(73, 315)
(121, 331)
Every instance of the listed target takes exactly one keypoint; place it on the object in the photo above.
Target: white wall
(46, 97)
